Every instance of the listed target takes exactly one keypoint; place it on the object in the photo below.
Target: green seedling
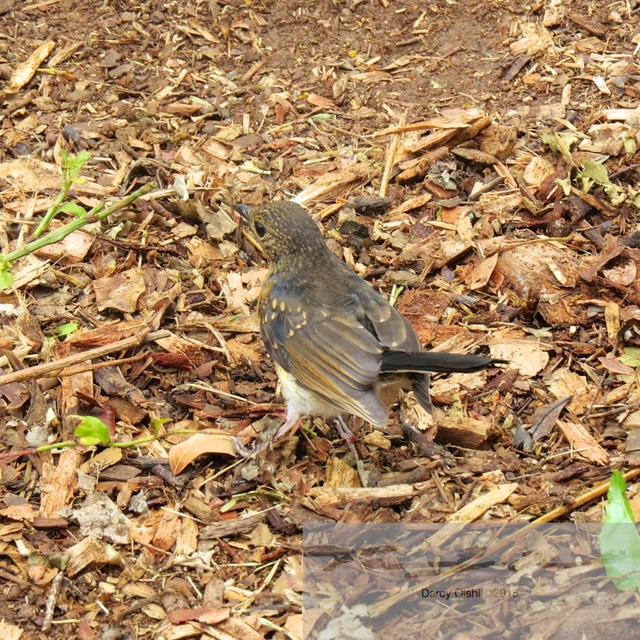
(619, 539)
(71, 166)
(82, 219)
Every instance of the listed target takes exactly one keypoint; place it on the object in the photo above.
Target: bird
(338, 346)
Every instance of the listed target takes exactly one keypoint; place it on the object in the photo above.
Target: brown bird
(338, 346)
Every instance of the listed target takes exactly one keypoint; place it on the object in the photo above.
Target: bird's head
(283, 230)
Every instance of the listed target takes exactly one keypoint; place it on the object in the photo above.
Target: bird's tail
(435, 362)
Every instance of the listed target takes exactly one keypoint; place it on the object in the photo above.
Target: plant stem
(53, 209)
(134, 443)
(111, 443)
(96, 214)
(56, 445)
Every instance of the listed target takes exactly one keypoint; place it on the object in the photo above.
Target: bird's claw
(248, 452)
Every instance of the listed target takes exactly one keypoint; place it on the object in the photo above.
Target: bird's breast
(301, 400)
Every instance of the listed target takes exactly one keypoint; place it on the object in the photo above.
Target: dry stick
(391, 156)
(98, 365)
(40, 5)
(52, 600)
(41, 370)
(382, 606)
(302, 118)
(437, 123)
(253, 70)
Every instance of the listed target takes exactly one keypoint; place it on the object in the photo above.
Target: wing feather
(335, 357)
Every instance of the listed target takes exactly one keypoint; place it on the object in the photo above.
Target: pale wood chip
(10, 631)
(378, 495)
(26, 70)
(582, 442)
(340, 474)
(58, 482)
(90, 552)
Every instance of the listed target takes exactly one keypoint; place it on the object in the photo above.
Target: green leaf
(556, 141)
(322, 117)
(156, 423)
(618, 509)
(631, 356)
(65, 329)
(71, 165)
(91, 430)
(595, 171)
(565, 185)
(630, 146)
(73, 208)
(619, 539)
(6, 279)
(616, 195)
(396, 290)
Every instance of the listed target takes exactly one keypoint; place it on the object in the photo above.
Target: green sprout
(619, 539)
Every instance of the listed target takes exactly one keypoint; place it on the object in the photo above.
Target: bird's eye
(261, 230)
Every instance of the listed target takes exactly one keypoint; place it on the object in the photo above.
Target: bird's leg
(293, 420)
(246, 452)
(347, 434)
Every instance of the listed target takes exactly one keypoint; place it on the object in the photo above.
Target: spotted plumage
(337, 343)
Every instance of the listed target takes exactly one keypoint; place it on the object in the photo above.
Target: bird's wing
(331, 354)
(391, 328)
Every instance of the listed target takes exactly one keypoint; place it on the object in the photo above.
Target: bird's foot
(347, 434)
(250, 451)
(290, 425)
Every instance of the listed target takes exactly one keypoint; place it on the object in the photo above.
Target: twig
(436, 123)
(302, 118)
(39, 5)
(97, 365)
(41, 370)
(391, 156)
(52, 599)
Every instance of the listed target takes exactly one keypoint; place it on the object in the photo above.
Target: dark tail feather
(435, 362)
(420, 385)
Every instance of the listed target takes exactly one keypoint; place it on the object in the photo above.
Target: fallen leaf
(613, 365)
(481, 275)
(320, 101)
(120, 291)
(183, 454)
(261, 536)
(214, 615)
(544, 418)
(631, 357)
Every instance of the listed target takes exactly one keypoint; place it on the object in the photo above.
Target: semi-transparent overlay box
(370, 582)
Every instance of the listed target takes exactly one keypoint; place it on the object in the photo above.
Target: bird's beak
(244, 210)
